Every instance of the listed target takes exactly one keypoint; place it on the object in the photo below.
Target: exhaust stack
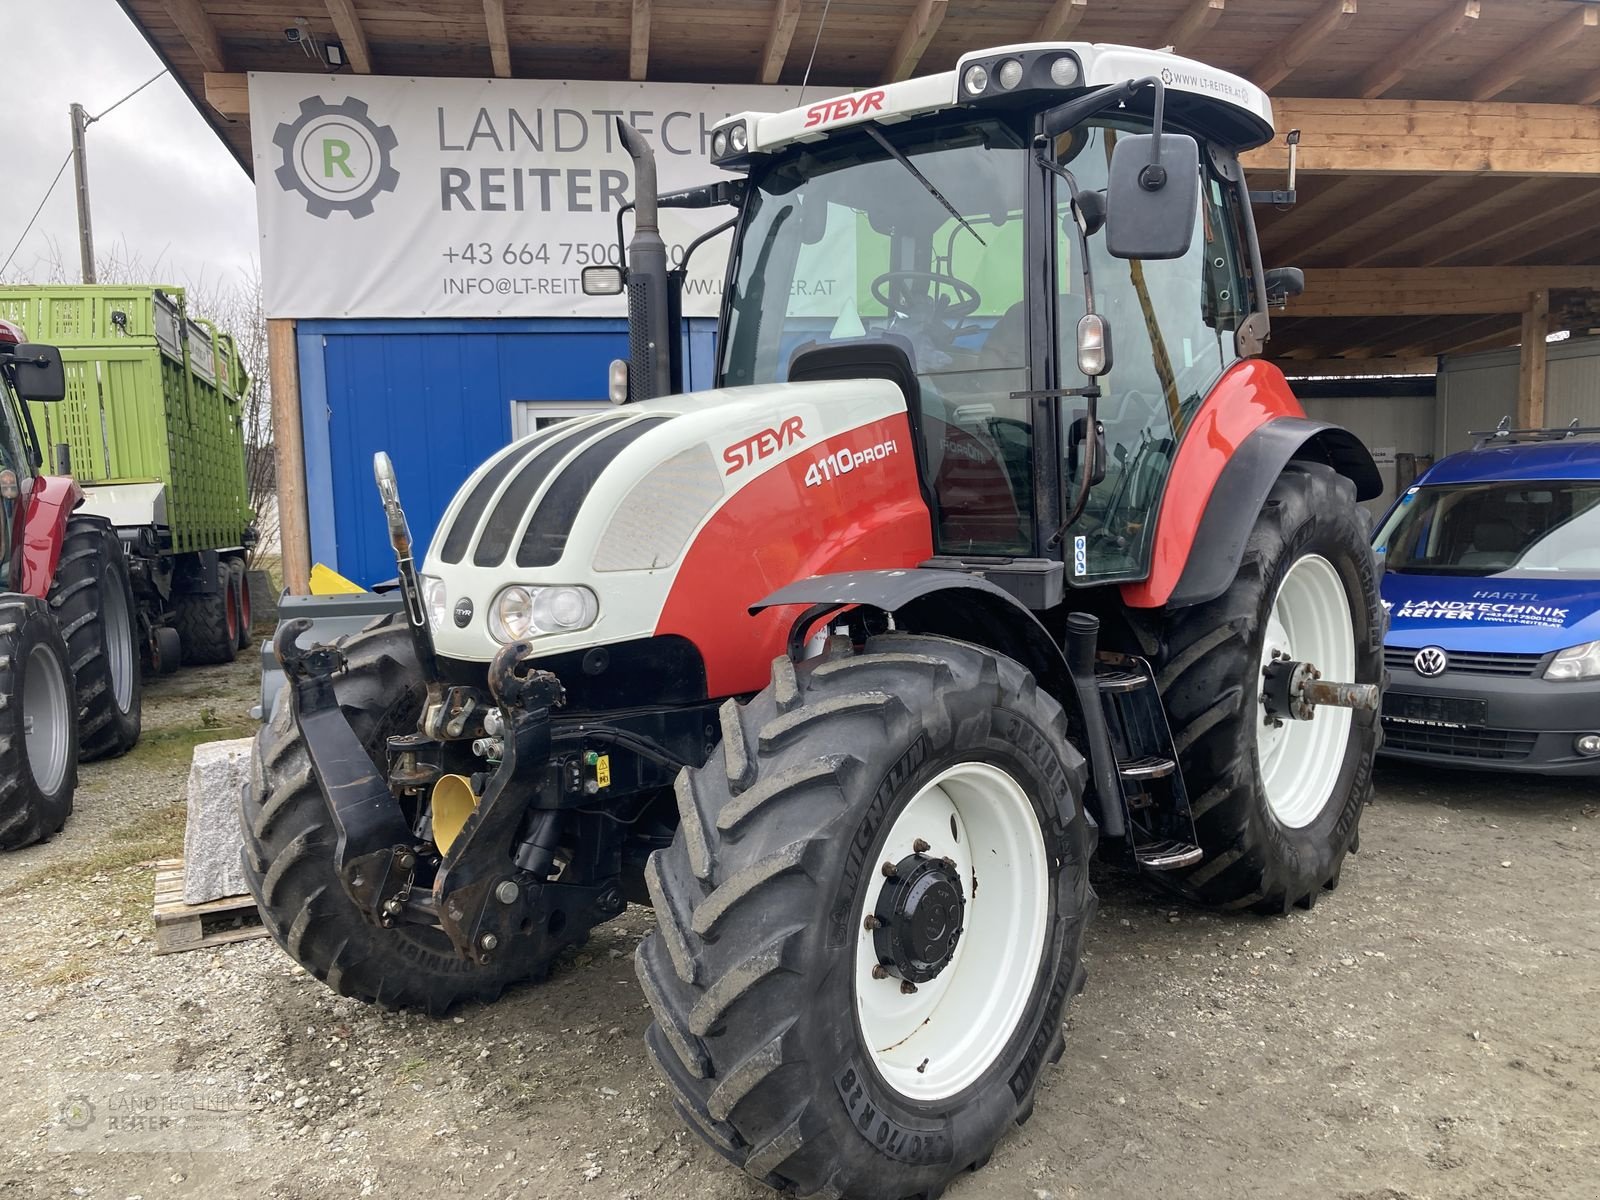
(650, 325)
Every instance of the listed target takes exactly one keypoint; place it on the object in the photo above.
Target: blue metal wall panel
(436, 395)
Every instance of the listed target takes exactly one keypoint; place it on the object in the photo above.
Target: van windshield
(1522, 530)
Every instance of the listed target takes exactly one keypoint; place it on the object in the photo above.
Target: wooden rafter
(351, 35)
(1197, 17)
(1505, 336)
(1532, 56)
(1534, 219)
(639, 40)
(1283, 59)
(1061, 20)
(1579, 224)
(913, 43)
(1358, 367)
(1390, 70)
(1336, 197)
(229, 93)
(1404, 337)
(1390, 196)
(1588, 89)
(1507, 193)
(785, 16)
(198, 31)
(1434, 137)
(1429, 291)
(494, 16)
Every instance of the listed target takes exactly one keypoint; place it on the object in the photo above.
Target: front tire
(38, 724)
(92, 599)
(290, 840)
(1276, 809)
(782, 1047)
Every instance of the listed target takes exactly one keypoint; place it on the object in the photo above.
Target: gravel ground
(1431, 1030)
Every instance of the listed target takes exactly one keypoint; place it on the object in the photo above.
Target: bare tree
(233, 306)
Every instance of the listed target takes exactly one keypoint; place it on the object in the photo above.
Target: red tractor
(69, 664)
(849, 665)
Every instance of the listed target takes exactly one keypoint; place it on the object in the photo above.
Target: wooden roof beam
(1585, 223)
(639, 40)
(1299, 368)
(785, 16)
(1403, 337)
(1436, 291)
(1283, 59)
(494, 16)
(913, 43)
(1192, 24)
(1061, 20)
(1357, 216)
(229, 93)
(1533, 55)
(1337, 197)
(1536, 217)
(1387, 72)
(1434, 137)
(198, 31)
(351, 35)
(1588, 89)
(1510, 195)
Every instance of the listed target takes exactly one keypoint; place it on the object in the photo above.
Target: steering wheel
(893, 290)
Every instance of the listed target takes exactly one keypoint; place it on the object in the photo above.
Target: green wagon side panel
(152, 395)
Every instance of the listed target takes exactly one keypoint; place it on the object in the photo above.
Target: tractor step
(1160, 830)
(1168, 856)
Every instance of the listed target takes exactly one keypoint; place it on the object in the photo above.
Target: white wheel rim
(46, 719)
(119, 641)
(1300, 760)
(931, 1044)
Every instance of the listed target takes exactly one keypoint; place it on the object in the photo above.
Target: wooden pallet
(181, 926)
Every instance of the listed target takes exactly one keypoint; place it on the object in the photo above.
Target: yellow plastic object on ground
(325, 581)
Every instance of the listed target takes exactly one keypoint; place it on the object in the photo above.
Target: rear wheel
(1276, 804)
(290, 841)
(38, 724)
(208, 622)
(92, 599)
(871, 918)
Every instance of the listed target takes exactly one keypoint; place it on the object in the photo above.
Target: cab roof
(1570, 458)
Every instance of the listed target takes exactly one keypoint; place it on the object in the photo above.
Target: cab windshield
(1518, 530)
(844, 243)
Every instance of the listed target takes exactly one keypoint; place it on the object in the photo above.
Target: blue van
(1491, 575)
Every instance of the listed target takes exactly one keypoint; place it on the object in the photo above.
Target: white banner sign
(390, 197)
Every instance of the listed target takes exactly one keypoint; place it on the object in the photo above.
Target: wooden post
(294, 527)
(1530, 382)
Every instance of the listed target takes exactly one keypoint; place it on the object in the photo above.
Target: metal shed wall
(1476, 390)
(1389, 425)
(437, 396)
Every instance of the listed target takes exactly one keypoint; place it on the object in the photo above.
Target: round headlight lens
(511, 618)
(559, 609)
(975, 80)
(434, 601)
(1064, 71)
(738, 139)
(1009, 74)
(719, 143)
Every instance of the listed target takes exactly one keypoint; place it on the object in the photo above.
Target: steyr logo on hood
(763, 445)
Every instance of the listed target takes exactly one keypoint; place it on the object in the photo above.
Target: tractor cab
(27, 372)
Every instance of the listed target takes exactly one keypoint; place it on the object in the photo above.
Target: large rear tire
(241, 601)
(208, 623)
(92, 599)
(289, 843)
(38, 724)
(1276, 809)
(782, 1046)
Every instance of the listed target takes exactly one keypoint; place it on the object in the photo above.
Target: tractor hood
(610, 503)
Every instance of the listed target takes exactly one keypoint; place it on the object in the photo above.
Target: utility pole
(80, 171)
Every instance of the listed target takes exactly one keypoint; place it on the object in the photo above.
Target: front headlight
(1576, 662)
(521, 612)
(434, 601)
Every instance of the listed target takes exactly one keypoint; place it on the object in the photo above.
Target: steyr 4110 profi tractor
(845, 666)
(69, 669)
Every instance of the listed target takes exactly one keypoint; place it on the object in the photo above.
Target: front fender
(50, 503)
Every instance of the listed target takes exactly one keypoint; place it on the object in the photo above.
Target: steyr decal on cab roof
(763, 445)
(844, 106)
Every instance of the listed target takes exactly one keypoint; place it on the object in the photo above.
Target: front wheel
(1276, 802)
(38, 724)
(871, 918)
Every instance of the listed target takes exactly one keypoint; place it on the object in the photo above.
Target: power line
(59, 171)
(126, 98)
(815, 42)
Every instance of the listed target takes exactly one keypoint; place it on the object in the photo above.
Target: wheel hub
(919, 917)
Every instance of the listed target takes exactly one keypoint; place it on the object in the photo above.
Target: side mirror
(1150, 203)
(603, 281)
(1283, 282)
(1092, 211)
(37, 373)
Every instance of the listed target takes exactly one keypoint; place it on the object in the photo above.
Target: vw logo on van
(1431, 661)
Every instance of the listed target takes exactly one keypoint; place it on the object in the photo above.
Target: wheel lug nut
(880, 972)
(907, 988)
(919, 847)
(488, 941)
(889, 871)
(871, 922)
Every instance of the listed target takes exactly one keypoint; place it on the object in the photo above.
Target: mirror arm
(1154, 177)
(1091, 464)
(1040, 145)
(682, 269)
(622, 241)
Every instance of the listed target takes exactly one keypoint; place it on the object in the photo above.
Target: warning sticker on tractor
(602, 770)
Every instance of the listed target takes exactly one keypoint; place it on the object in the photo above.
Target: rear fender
(49, 504)
(1234, 449)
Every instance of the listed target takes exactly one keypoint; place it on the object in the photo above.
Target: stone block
(211, 841)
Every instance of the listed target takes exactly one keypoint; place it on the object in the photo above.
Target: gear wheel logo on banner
(336, 156)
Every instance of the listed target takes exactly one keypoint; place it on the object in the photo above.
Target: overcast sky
(160, 180)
